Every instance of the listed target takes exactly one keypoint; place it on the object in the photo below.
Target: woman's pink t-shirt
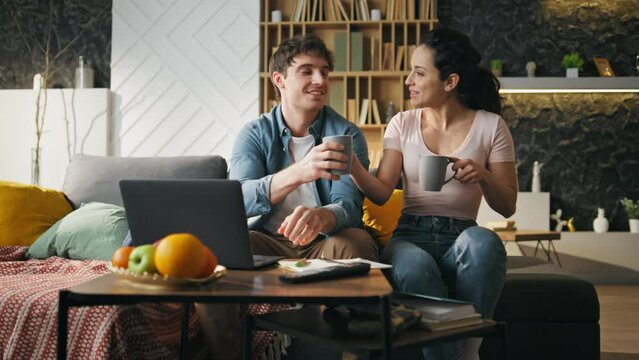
(488, 141)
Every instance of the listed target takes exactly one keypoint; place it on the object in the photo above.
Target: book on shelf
(398, 9)
(301, 9)
(468, 320)
(358, 12)
(432, 313)
(342, 9)
(364, 323)
(373, 49)
(314, 11)
(357, 51)
(363, 112)
(376, 118)
(328, 11)
(387, 61)
(335, 10)
(399, 57)
(336, 97)
(351, 110)
(340, 51)
(364, 10)
(424, 9)
(411, 10)
(436, 309)
(502, 225)
(390, 5)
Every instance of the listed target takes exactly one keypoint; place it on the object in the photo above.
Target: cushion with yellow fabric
(27, 211)
(380, 221)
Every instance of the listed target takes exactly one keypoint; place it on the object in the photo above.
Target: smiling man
(298, 208)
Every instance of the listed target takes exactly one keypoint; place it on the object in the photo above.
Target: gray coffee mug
(347, 141)
(432, 172)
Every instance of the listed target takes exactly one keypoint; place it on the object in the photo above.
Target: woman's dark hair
(478, 88)
(290, 48)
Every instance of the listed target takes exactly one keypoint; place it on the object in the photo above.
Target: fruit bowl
(161, 280)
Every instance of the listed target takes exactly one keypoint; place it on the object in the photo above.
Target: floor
(619, 321)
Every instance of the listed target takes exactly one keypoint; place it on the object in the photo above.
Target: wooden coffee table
(261, 286)
(534, 235)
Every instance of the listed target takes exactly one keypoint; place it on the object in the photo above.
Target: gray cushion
(95, 178)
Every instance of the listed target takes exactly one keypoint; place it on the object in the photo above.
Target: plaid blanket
(29, 304)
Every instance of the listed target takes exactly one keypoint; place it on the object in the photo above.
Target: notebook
(212, 210)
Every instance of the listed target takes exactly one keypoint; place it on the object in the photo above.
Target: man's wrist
(329, 220)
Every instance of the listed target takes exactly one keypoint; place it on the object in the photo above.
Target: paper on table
(299, 265)
(295, 265)
(374, 264)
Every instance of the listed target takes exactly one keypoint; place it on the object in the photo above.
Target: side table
(534, 235)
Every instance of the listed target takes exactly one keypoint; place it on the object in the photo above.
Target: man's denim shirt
(261, 150)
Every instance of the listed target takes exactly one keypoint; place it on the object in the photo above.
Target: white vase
(600, 224)
(572, 72)
(536, 182)
(634, 225)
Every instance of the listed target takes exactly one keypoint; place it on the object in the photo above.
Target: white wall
(76, 121)
(184, 74)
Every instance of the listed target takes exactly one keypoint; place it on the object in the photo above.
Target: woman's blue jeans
(446, 257)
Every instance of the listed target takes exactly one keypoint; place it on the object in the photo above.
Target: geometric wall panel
(184, 75)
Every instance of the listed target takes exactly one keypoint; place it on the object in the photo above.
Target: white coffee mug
(347, 141)
(432, 172)
(276, 16)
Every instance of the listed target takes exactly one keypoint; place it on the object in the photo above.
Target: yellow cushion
(380, 221)
(27, 211)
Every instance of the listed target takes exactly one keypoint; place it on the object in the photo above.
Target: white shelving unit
(77, 121)
(574, 85)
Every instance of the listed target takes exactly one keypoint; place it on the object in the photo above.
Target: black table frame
(69, 299)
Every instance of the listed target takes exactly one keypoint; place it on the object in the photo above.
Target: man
(298, 208)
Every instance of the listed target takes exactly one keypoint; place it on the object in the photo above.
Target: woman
(437, 248)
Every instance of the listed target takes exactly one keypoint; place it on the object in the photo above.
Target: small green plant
(632, 207)
(572, 60)
(496, 64)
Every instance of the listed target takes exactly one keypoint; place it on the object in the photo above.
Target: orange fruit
(209, 264)
(120, 258)
(180, 255)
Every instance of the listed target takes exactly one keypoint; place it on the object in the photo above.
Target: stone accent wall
(543, 31)
(21, 54)
(588, 145)
(587, 142)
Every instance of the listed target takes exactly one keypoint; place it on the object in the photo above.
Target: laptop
(212, 210)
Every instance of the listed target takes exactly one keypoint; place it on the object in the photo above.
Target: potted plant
(573, 63)
(496, 66)
(632, 209)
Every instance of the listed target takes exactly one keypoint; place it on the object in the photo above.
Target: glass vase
(36, 162)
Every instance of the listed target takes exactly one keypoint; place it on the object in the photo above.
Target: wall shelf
(569, 85)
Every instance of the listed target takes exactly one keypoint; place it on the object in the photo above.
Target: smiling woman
(437, 248)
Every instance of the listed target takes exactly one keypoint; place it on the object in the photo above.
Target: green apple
(142, 259)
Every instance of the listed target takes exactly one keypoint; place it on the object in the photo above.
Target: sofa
(36, 264)
(548, 314)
